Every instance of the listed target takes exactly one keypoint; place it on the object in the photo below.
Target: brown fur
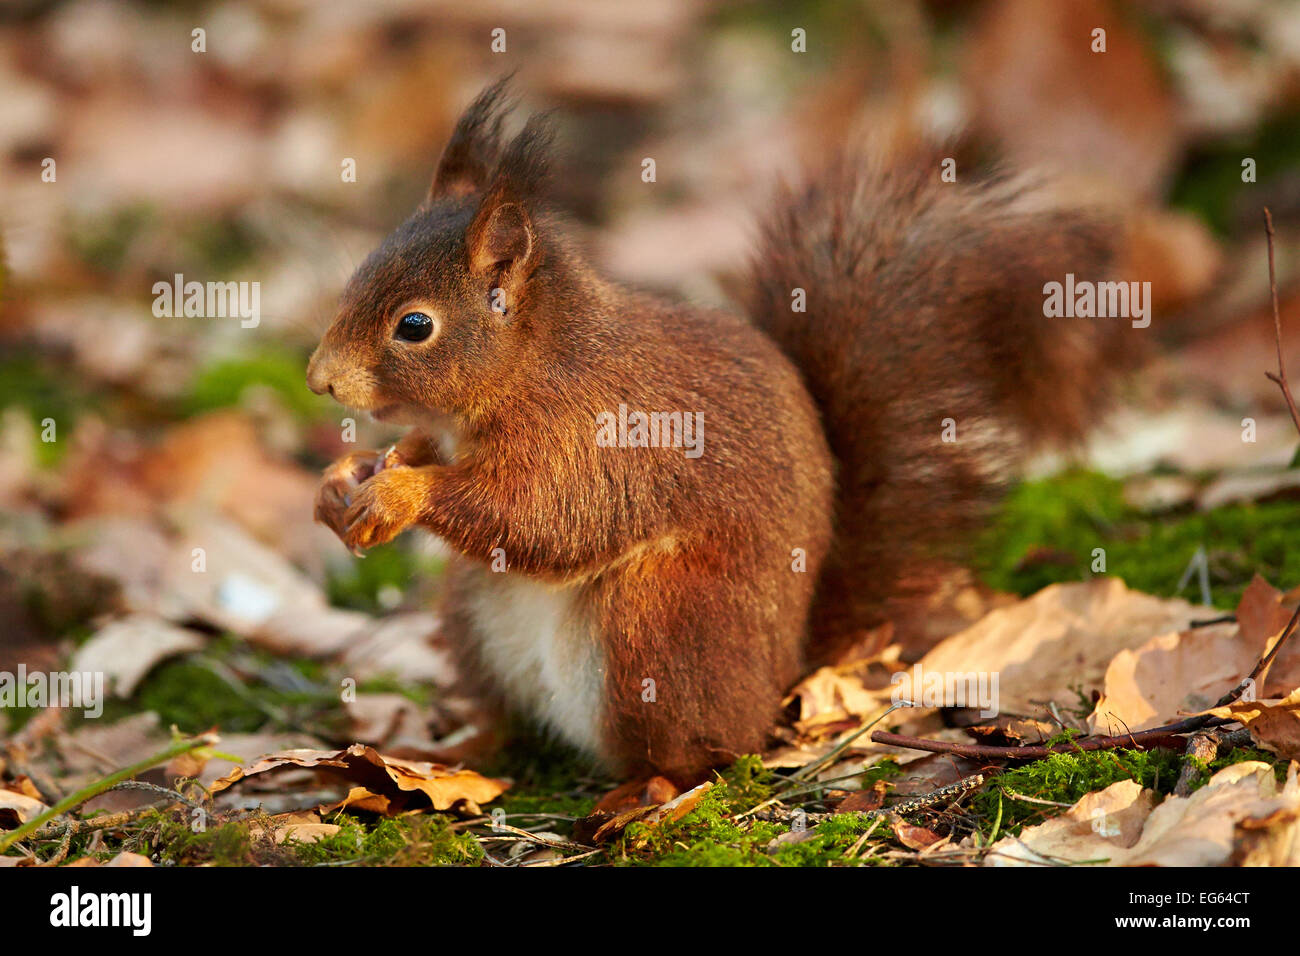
(925, 302)
(684, 569)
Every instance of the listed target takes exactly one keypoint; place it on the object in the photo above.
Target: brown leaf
(1262, 615)
(18, 808)
(914, 837)
(863, 801)
(1240, 814)
(607, 828)
(1041, 648)
(1171, 674)
(1273, 724)
(359, 798)
(302, 826)
(397, 780)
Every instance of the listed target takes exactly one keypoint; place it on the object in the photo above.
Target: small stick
(1038, 751)
(1023, 798)
(1202, 747)
(531, 838)
(1280, 377)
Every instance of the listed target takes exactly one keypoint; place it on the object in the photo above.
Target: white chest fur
(536, 640)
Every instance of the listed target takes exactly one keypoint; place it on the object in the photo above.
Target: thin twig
(1038, 752)
(1280, 377)
(1023, 798)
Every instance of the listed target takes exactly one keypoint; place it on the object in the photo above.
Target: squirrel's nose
(317, 379)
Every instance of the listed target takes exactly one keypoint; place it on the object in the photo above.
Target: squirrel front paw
(383, 507)
(339, 485)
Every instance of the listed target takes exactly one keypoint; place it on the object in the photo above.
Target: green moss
(712, 834)
(1064, 778)
(193, 693)
(1046, 532)
(175, 842)
(423, 840)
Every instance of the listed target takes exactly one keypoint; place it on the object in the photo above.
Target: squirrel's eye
(414, 327)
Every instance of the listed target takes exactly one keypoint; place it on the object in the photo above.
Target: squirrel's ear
(503, 236)
(474, 147)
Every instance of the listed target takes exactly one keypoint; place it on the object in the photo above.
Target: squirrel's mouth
(386, 413)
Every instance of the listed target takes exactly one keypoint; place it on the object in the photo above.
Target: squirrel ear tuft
(502, 234)
(475, 145)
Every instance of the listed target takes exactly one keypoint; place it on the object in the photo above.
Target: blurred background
(157, 474)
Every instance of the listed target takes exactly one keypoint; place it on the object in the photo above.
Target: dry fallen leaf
(1262, 615)
(397, 780)
(125, 858)
(1239, 812)
(1273, 724)
(1169, 675)
(863, 801)
(829, 695)
(1060, 638)
(301, 826)
(1095, 829)
(914, 837)
(1188, 671)
(18, 808)
(127, 649)
(608, 827)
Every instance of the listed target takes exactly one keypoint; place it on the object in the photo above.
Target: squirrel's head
(435, 317)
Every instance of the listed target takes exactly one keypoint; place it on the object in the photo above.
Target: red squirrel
(662, 513)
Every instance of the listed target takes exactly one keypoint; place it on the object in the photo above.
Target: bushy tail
(924, 322)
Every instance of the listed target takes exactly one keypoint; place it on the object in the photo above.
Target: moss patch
(1047, 531)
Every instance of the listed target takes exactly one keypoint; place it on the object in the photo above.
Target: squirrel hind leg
(689, 685)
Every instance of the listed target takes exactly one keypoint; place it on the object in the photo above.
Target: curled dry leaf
(914, 837)
(397, 781)
(1188, 671)
(1273, 724)
(17, 808)
(610, 827)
